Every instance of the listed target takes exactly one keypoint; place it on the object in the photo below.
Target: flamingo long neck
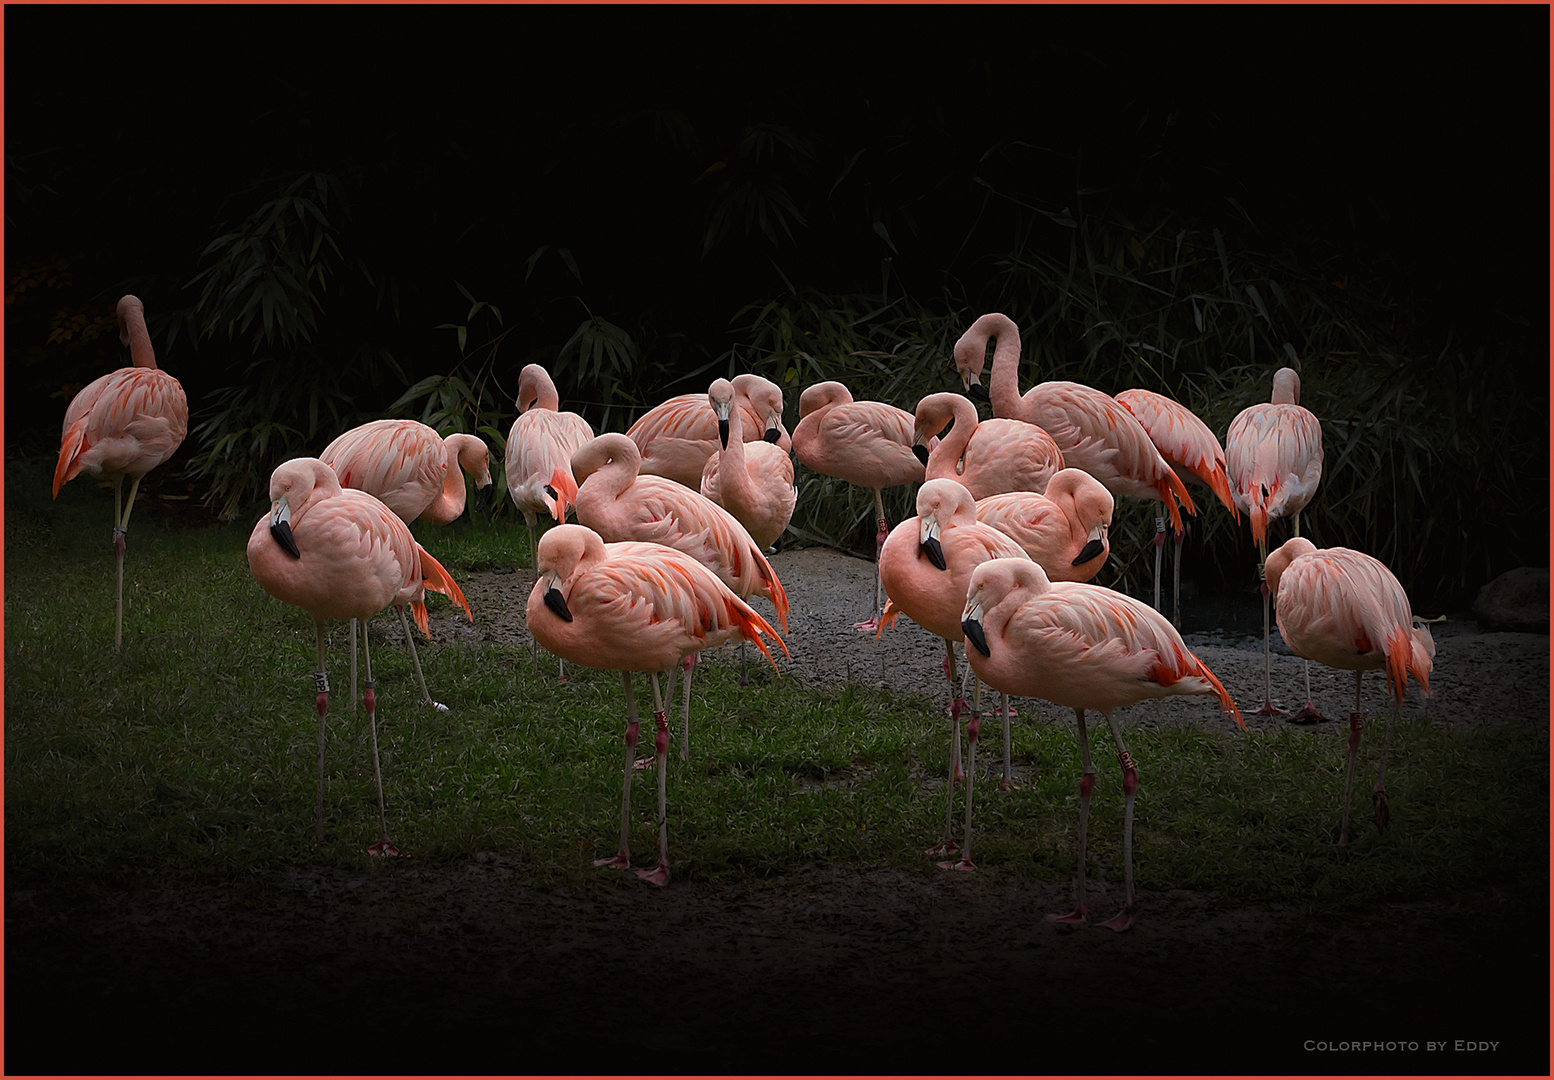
(1003, 380)
(732, 474)
(450, 504)
(132, 329)
(953, 443)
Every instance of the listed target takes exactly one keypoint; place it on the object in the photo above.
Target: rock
(1516, 600)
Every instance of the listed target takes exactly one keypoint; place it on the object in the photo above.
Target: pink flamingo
(868, 443)
(1188, 446)
(1345, 609)
(634, 607)
(751, 480)
(1065, 530)
(340, 553)
(542, 440)
(1092, 430)
(1273, 456)
(124, 423)
(620, 503)
(677, 436)
(988, 457)
(925, 565)
(1082, 647)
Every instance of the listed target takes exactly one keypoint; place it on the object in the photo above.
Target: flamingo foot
(383, 847)
(1379, 801)
(1270, 709)
(437, 706)
(1309, 715)
(1008, 784)
(944, 847)
(869, 627)
(1123, 918)
(659, 875)
(998, 710)
(619, 862)
(1078, 917)
(962, 863)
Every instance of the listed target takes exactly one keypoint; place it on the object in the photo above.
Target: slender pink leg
(880, 534)
(369, 700)
(947, 845)
(1308, 712)
(1081, 914)
(1176, 586)
(1008, 784)
(321, 680)
(1159, 548)
(1355, 723)
(1268, 707)
(972, 727)
(1379, 792)
(1130, 785)
(659, 875)
(621, 860)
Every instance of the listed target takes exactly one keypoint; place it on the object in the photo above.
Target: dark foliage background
(339, 213)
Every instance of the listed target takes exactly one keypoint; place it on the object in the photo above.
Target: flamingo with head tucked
(988, 457)
(1345, 609)
(340, 553)
(634, 607)
(1273, 456)
(925, 565)
(868, 443)
(124, 423)
(543, 439)
(676, 437)
(1082, 647)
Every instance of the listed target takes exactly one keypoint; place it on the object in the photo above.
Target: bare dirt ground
(469, 967)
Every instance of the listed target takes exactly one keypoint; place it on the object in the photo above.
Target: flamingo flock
(676, 519)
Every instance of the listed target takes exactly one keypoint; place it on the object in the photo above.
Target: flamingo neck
(450, 504)
(953, 443)
(1003, 380)
(139, 340)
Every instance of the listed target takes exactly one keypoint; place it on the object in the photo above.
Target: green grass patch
(194, 749)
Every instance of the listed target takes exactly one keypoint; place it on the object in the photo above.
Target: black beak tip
(772, 434)
(558, 604)
(550, 491)
(935, 552)
(973, 631)
(978, 392)
(483, 497)
(723, 433)
(1090, 551)
(282, 534)
(921, 453)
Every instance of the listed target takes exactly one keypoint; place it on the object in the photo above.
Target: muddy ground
(468, 967)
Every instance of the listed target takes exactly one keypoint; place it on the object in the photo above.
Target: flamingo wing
(1182, 439)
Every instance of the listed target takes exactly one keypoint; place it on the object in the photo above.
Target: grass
(193, 750)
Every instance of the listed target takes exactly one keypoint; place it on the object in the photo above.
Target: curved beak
(723, 431)
(280, 527)
(971, 626)
(1093, 547)
(978, 392)
(483, 497)
(921, 453)
(928, 542)
(556, 602)
(772, 434)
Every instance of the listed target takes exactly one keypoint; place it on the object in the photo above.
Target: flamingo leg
(321, 680)
(1081, 914)
(744, 673)
(1355, 722)
(1379, 792)
(622, 858)
(947, 846)
(415, 658)
(973, 725)
(659, 875)
(1003, 711)
(353, 665)
(118, 559)
(1308, 712)
(1159, 548)
(1268, 708)
(685, 720)
(1176, 584)
(1130, 783)
(369, 701)
(879, 542)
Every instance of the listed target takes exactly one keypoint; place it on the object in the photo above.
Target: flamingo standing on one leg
(634, 607)
(925, 565)
(340, 553)
(124, 423)
(419, 475)
(1188, 446)
(988, 457)
(1345, 609)
(542, 440)
(868, 443)
(616, 500)
(1273, 456)
(1092, 430)
(677, 436)
(1065, 530)
(751, 480)
(1083, 647)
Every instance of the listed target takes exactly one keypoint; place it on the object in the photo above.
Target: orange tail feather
(1173, 491)
(69, 453)
(1219, 688)
(565, 487)
(752, 625)
(437, 579)
(1219, 483)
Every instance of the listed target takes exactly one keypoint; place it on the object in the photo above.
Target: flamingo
(340, 553)
(988, 457)
(868, 443)
(419, 475)
(634, 607)
(1345, 609)
(751, 480)
(1273, 456)
(615, 499)
(1082, 647)
(542, 439)
(1188, 446)
(1092, 430)
(925, 565)
(124, 423)
(677, 436)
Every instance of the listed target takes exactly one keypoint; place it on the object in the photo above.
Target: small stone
(1516, 600)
